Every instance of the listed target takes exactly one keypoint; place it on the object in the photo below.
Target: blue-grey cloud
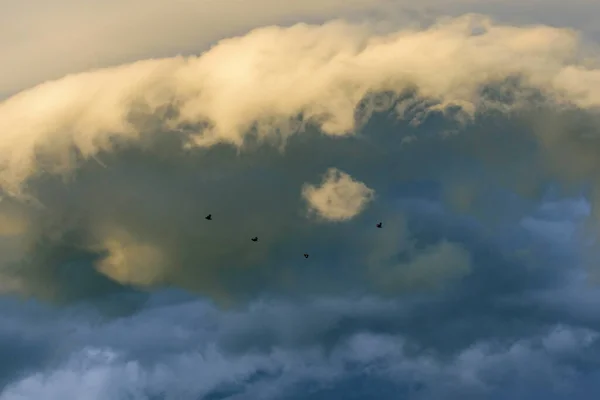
(475, 143)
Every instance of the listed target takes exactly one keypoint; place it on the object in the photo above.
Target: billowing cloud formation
(339, 197)
(115, 169)
(130, 262)
(329, 347)
(475, 142)
(264, 81)
(38, 41)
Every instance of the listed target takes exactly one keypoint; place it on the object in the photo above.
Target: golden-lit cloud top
(121, 164)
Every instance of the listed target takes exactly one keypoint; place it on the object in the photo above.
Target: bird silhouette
(305, 255)
(379, 225)
(254, 239)
(209, 217)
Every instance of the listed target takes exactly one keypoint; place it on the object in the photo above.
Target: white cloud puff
(338, 197)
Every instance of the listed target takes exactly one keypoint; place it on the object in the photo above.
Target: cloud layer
(38, 41)
(108, 174)
(328, 347)
(475, 143)
(274, 80)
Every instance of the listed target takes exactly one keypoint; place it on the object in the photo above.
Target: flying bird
(379, 225)
(209, 217)
(305, 255)
(254, 239)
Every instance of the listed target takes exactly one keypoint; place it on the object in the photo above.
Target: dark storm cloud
(137, 216)
(479, 156)
(495, 334)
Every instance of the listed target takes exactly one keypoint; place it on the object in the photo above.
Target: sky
(468, 128)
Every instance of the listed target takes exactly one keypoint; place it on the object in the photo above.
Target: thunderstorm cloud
(472, 134)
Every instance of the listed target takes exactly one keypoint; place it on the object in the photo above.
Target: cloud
(38, 42)
(130, 262)
(162, 350)
(339, 197)
(474, 141)
(115, 169)
(11, 224)
(431, 266)
(471, 339)
(266, 79)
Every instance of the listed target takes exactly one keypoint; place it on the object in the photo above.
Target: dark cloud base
(495, 169)
(228, 321)
(274, 349)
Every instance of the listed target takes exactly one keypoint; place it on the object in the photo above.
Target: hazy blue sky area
(469, 128)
